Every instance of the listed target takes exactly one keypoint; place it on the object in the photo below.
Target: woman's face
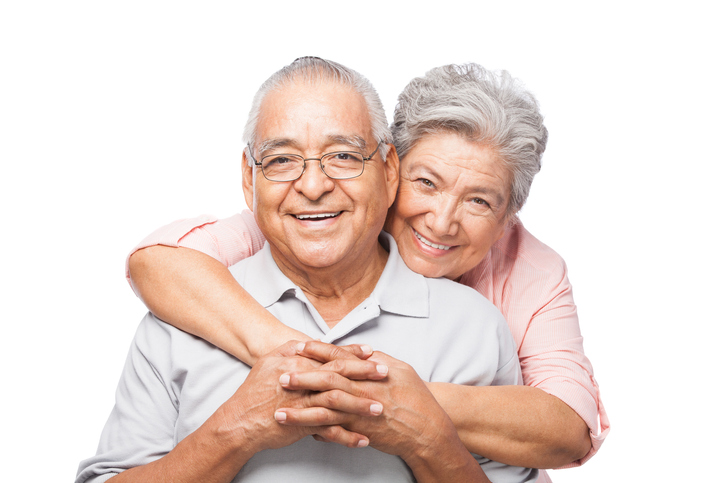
(450, 206)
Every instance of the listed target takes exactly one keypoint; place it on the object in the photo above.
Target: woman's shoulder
(520, 257)
(520, 244)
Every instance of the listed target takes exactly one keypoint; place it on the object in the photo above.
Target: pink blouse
(524, 278)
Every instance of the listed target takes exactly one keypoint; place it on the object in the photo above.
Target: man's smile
(315, 216)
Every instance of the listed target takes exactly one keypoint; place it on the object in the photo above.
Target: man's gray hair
(314, 69)
(481, 106)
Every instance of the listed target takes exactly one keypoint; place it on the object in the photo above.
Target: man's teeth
(319, 215)
(431, 244)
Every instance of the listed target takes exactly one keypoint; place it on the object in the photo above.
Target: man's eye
(344, 156)
(426, 182)
(479, 201)
(278, 161)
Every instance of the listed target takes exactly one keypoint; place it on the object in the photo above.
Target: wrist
(443, 456)
(234, 431)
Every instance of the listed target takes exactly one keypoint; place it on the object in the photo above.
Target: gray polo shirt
(172, 381)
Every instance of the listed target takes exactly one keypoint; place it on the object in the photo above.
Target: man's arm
(212, 453)
(139, 436)
(244, 425)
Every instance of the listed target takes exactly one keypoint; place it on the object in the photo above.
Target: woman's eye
(479, 201)
(426, 182)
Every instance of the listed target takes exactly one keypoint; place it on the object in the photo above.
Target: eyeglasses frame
(304, 160)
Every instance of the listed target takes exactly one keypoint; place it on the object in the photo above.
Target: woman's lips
(431, 244)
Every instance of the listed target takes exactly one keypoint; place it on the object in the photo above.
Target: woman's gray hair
(481, 106)
(314, 69)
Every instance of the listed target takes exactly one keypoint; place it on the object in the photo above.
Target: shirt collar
(265, 282)
(399, 290)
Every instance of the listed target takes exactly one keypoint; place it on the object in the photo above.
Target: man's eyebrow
(353, 141)
(276, 143)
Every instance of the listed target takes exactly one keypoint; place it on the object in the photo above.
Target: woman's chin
(426, 267)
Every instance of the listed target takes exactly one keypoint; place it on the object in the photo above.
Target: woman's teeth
(431, 244)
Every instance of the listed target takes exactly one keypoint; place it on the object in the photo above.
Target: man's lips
(431, 244)
(317, 216)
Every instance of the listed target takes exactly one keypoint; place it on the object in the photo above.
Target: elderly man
(320, 176)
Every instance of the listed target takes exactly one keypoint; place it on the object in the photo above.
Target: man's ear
(247, 180)
(392, 173)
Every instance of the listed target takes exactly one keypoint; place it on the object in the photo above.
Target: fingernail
(284, 379)
(382, 369)
(376, 409)
(362, 443)
(300, 346)
(367, 350)
(280, 416)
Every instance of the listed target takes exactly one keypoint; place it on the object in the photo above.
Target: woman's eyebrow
(495, 194)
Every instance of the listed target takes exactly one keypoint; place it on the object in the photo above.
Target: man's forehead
(314, 115)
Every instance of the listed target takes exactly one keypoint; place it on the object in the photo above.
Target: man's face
(316, 222)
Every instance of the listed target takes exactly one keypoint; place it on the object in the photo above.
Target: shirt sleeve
(141, 426)
(552, 356)
(228, 240)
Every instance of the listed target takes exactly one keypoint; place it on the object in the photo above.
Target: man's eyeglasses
(290, 167)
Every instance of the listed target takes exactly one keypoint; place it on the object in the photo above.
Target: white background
(118, 117)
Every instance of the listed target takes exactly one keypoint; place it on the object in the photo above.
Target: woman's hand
(406, 420)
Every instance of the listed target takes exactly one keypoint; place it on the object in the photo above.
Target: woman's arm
(515, 425)
(528, 282)
(198, 294)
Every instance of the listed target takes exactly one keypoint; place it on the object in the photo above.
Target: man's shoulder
(163, 345)
(450, 294)
(460, 309)
(252, 266)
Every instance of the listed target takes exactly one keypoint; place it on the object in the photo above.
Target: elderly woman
(470, 143)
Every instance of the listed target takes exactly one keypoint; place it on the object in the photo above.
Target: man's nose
(313, 183)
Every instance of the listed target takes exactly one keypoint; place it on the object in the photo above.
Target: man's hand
(410, 416)
(411, 424)
(248, 417)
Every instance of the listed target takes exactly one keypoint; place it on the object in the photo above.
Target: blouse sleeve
(552, 357)
(228, 240)
(528, 282)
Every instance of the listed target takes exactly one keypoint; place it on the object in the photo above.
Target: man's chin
(318, 254)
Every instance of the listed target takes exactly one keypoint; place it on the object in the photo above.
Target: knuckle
(334, 433)
(334, 365)
(336, 352)
(333, 398)
(329, 378)
(324, 416)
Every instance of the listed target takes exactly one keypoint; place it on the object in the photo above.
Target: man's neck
(336, 290)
